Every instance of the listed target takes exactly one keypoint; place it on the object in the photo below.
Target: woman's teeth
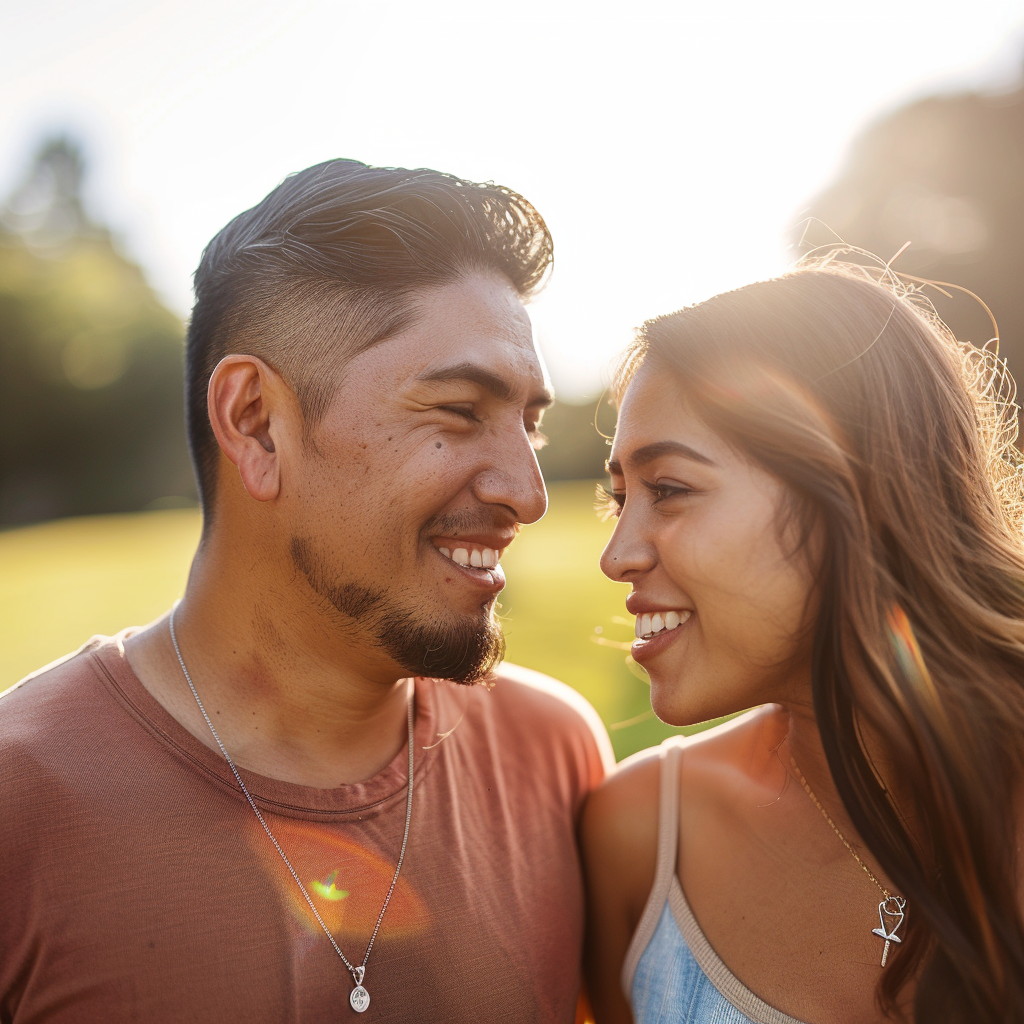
(648, 625)
(478, 558)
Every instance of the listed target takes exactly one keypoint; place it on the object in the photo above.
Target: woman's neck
(803, 747)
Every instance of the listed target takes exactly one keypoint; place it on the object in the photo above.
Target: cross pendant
(893, 908)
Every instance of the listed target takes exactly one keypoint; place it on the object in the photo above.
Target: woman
(819, 512)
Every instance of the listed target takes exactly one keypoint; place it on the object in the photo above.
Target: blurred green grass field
(64, 581)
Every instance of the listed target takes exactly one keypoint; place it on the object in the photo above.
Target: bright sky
(669, 146)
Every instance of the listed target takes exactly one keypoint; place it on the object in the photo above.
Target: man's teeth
(487, 558)
(651, 624)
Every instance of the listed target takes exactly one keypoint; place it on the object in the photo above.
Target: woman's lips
(649, 624)
(649, 646)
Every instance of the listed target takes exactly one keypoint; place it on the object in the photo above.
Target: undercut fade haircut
(325, 267)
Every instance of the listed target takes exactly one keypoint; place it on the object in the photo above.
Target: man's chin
(463, 648)
(465, 651)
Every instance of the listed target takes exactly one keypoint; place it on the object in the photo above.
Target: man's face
(417, 477)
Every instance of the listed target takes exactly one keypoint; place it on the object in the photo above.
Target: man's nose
(513, 479)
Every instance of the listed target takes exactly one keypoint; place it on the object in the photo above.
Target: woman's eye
(608, 504)
(662, 492)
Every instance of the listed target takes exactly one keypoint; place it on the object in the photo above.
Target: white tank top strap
(665, 866)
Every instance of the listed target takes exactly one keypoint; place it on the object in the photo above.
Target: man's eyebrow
(650, 452)
(502, 389)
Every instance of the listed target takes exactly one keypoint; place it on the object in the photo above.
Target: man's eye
(463, 411)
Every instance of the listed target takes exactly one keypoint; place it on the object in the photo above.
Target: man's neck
(290, 697)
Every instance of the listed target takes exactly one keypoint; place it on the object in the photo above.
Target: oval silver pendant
(360, 999)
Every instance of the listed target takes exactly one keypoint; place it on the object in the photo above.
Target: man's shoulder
(526, 687)
(35, 707)
(49, 725)
(516, 686)
(541, 711)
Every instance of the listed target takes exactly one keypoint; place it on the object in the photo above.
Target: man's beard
(464, 651)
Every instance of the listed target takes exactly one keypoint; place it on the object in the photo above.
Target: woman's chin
(672, 710)
(676, 704)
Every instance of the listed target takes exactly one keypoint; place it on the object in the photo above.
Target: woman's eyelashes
(610, 502)
(607, 503)
(665, 491)
(537, 439)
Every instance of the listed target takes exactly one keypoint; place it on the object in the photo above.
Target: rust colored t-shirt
(137, 885)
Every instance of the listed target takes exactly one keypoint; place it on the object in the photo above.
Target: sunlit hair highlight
(898, 443)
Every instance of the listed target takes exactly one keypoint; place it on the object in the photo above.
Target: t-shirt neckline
(362, 799)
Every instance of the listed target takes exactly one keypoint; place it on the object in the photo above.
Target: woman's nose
(627, 552)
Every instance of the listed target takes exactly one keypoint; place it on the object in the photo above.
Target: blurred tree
(576, 450)
(944, 174)
(91, 409)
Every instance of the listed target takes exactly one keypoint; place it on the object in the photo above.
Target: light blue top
(671, 975)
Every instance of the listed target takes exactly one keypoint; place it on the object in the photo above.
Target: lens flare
(327, 888)
(904, 643)
(908, 652)
(347, 881)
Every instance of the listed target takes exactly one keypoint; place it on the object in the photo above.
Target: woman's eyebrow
(655, 450)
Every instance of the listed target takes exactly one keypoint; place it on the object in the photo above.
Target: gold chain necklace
(892, 907)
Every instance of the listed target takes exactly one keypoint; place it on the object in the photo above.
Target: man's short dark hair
(323, 267)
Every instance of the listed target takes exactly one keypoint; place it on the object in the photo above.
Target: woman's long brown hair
(897, 443)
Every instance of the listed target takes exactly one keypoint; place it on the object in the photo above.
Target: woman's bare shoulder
(620, 821)
(630, 791)
(624, 809)
(619, 839)
(621, 817)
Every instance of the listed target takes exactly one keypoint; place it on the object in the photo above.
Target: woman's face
(724, 601)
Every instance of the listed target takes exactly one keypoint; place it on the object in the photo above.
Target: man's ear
(248, 403)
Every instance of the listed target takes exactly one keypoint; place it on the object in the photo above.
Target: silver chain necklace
(359, 999)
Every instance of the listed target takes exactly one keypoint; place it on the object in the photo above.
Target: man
(364, 399)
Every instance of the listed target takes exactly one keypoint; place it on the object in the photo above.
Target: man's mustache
(456, 523)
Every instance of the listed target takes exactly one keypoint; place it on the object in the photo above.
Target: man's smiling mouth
(473, 556)
(477, 559)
